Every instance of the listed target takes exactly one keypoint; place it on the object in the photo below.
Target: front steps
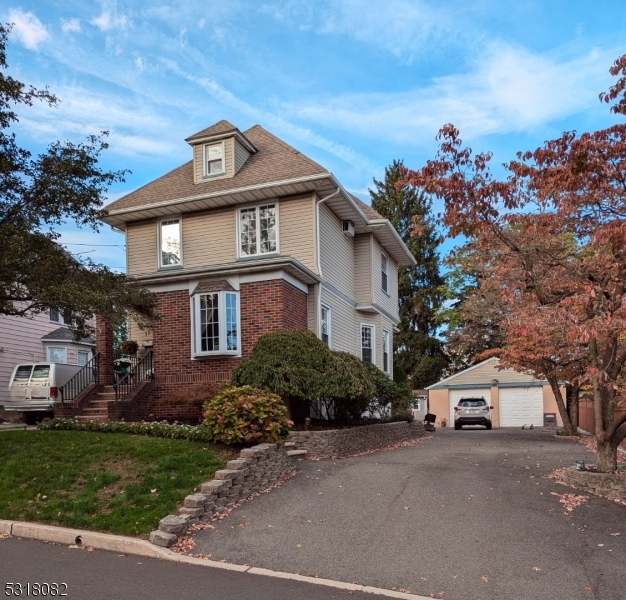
(97, 408)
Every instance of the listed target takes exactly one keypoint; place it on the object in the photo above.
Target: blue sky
(351, 83)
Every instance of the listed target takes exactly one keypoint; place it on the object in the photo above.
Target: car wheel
(457, 426)
(488, 425)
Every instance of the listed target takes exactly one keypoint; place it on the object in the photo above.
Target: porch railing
(140, 372)
(90, 373)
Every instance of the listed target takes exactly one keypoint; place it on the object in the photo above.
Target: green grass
(104, 482)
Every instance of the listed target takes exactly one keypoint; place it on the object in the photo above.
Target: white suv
(472, 411)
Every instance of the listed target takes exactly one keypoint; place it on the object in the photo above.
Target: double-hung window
(367, 343)
(384, 268)
(58, 316)
(170, 247)
(258, 230)
(213, 159)
(386, 351)
(217, 323)
(325, 325)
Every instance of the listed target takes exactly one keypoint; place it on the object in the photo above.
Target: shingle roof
(370, 213)
(213, 285)
(65, 335)
(274, 161)
(219, 127)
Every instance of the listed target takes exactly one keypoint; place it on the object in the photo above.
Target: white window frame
(159, 241)
(205, 148)
(83, 352)
(258, 237)
(328, 324)
(373, 328)
(196, 331)
(384, 273)
(385, 344)
(59, 312)
(57, 348)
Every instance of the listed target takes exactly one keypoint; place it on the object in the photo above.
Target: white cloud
(110, 19)
(508, 89)
(71, 25)
(29, 30)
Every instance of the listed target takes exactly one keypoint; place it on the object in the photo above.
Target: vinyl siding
(137, 335)
(386, 301)
(241, 156)
(363, 268)
(229, 160)
(485, 373)
(336, 253)
(209, 238)
(141, 247)
(296, 230)
(342, 323)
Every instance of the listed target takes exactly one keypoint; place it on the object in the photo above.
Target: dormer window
(214, 159)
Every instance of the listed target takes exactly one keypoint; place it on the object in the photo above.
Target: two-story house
(248, 237)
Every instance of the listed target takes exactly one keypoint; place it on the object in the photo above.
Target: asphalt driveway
(467, 515)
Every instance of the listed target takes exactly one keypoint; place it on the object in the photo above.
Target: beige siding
(136, 334)
(486, 373)
(336, 253)
(241, 156)
(141, 247)
(296, 230)
(388, 301)
(363, 268)
(342, 323)
(209, 238)
(229, 161)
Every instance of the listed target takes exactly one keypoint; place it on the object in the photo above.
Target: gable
(485, 373)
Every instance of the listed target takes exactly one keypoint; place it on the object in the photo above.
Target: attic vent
(348, 228)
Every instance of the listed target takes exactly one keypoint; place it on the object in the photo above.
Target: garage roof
(488, 374)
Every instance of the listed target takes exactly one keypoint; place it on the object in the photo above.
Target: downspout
(319, 260)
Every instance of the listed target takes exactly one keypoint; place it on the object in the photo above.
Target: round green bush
(245, 415)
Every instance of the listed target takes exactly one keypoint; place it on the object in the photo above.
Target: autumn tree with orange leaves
(549, 243)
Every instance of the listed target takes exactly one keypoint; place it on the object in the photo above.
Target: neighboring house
(249, 237)
(45, 337)
(517, 398)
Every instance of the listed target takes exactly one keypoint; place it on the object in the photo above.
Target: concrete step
(296, 452)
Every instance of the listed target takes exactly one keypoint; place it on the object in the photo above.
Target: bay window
(386, 351)
(367, 344)
(217, 323)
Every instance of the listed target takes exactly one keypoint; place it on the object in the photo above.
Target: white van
(35, 386)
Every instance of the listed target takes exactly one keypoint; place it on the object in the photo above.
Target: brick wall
(104, 346)
(266, 306)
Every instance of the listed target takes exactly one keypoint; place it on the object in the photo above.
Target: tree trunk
(572, 404)
(607, 456)
(560, 402)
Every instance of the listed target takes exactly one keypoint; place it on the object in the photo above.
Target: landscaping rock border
(337, 443)
(256, 469)
(609, 485)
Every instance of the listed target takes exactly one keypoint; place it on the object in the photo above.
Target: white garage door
(456, 395)
(521, 406)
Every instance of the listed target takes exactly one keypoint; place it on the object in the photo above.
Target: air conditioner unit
(348, 228)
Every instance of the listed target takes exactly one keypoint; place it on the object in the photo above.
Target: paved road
(102, 575)
(466, 515)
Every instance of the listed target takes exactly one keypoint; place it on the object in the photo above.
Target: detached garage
(517, 398)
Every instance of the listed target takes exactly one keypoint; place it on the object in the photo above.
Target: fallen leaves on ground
(4, 536)
(570, 501)
(485, 578)
(536, 569)
(396, 446)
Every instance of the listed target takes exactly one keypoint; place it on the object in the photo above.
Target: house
(45, 337)
(251, 236)
(517, 398)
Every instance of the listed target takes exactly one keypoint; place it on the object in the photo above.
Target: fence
(586, 419)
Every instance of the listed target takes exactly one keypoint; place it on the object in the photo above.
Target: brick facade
(266, 306)
(104, 347)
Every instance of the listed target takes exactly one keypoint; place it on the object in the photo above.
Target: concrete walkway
(466, 515)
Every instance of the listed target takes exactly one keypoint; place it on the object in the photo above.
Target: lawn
(104, 482)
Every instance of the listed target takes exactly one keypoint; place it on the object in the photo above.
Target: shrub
(129, 347)
(391, 400)
(244, 415)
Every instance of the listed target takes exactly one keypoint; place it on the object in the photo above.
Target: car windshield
(472, 403)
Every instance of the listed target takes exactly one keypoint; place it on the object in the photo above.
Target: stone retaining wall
(610, 485)
(336, 443)
(256, 469)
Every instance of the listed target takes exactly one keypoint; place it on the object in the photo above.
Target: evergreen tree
(420, 287)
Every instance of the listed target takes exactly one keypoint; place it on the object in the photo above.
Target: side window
(56, 354)
(217, 323)
(213, 159)
(386, 351)
(258, 230)
(367, 343)
(325, 325)
(170, 247)
(82, 357)
(384, 267)
(59, 316)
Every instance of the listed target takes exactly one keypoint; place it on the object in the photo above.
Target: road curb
(128, 545)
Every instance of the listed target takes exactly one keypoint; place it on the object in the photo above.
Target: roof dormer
(219, 152)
